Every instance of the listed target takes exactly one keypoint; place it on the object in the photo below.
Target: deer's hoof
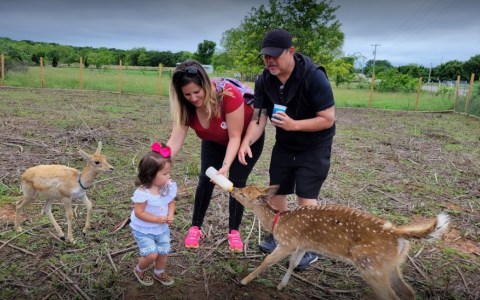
(244, 281)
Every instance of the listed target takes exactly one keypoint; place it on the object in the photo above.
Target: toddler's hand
(170, 219)
(162, 220)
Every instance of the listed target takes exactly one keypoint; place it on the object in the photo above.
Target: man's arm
(254, 132)
(323, 120)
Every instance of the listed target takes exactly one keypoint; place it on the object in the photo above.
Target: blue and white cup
(277, 108)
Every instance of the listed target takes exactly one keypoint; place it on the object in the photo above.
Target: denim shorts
(152, 243)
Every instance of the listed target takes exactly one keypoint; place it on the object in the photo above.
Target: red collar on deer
(277, 216)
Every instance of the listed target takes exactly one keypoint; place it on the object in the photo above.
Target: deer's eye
(97, 162)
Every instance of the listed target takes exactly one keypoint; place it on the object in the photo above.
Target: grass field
(398, 165)
(145, 81)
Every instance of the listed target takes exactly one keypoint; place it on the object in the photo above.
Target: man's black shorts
(302, 172)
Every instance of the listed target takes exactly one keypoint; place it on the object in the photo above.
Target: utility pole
(374, 56)
(372, 83)
(429, 73)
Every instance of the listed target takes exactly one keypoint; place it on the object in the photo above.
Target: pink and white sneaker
(234, 241)
(193, 236)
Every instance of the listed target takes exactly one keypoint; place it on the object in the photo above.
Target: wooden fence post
(81, 73)
(42, 79)
(419, 89)
(2, 59)
(160, 67)
(457, 91)
(371, 91)
(472, 77)
(120, 76)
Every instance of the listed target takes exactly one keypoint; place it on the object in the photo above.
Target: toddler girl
(153, 210)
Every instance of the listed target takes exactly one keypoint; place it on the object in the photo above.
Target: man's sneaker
(268, 245)
(163, 278)
(307, 259)
(193, 236)
(234, 241)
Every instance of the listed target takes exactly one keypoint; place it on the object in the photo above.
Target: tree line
(314, 27)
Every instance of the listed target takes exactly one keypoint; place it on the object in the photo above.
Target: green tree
(101, 57)
(414, 70)
(132, 56)
(221, 61)
(450, 70)
(392, 81)
(473, 66)
(313, 25)
(380, 66)
(55, 57)
(143, 59)
(182, 56)
(341, 70)
(205, 51)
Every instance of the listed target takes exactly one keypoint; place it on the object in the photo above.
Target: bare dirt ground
(401, 166)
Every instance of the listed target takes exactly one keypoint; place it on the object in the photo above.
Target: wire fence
(455, 95)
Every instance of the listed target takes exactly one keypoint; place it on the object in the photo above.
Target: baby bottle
(219, 179)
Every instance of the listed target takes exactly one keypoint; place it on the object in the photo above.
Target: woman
(220, 120)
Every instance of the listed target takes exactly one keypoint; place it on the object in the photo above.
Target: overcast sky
(425, 32)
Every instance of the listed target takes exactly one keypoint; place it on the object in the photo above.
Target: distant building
(208, 68)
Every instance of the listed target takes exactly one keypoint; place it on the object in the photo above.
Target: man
(304, 133)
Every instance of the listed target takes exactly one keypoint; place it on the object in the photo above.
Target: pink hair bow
(164, 151)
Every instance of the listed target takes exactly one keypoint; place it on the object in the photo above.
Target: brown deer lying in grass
(58, 182)
(374, 246)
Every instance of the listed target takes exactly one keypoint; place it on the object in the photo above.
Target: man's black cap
(275, 42)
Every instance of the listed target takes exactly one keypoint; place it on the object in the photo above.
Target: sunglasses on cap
(190, 70)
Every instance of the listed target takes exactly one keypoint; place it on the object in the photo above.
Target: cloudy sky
(425, 32)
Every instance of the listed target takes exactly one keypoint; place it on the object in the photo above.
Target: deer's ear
(84, 154)
(263, 198)
(99, 147)
(271, 190)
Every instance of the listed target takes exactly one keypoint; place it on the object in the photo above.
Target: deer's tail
(432, 229)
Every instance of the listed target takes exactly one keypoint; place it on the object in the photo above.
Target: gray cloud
(410, 31)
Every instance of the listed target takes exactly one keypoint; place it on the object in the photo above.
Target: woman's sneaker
(234, 241)
(193, 236)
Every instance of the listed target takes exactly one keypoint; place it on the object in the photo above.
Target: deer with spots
(374, 246)
(58, 182)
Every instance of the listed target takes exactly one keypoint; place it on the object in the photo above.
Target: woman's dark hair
(149, 166)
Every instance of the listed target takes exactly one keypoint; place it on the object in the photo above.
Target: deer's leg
(67, 202)
(294, 261)
(401, 288)
(277, 255)
(379, 281)
(88, 204)
(48, 211)
(29, 194)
